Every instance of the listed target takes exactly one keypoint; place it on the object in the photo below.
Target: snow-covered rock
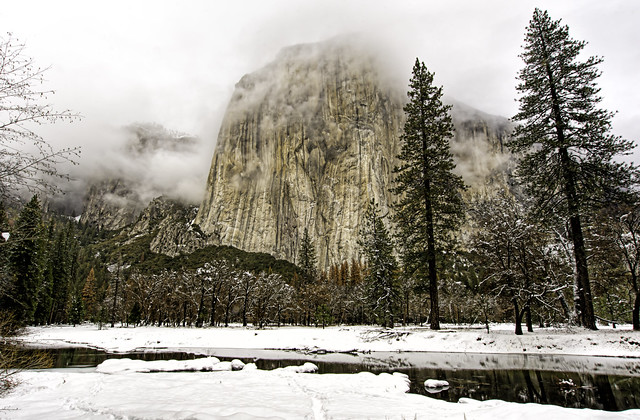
(237, 364)
(435, 383)
(306, 368)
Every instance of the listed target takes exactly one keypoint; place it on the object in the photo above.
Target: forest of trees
(555, 242)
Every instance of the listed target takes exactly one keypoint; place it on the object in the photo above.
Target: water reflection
(606, 384)
(568, 389)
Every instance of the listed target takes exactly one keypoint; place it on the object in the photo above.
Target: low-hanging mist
(137, 163)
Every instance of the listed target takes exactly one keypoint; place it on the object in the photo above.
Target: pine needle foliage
(563, 140)
(430, 206)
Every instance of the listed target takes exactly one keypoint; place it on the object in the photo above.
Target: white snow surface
(621, 341)
(204, 364)
(435, 383)
(252, 394)
(128, 389)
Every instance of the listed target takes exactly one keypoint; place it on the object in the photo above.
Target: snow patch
(203, 364)
(306, 368)
(435, 383)
(125, 365)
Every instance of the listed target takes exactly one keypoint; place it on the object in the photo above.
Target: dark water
(564, 381)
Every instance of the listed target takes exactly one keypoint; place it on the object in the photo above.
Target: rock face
(307, 142)
(111, 205)
(171, 225)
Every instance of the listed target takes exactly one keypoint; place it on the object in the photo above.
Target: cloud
(176, 63)
(150, 159)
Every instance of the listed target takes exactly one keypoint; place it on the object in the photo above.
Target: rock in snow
(306, 368)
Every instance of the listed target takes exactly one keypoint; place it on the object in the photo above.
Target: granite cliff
(309, 140)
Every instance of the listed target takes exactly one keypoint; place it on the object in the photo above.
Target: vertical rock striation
(308, 141)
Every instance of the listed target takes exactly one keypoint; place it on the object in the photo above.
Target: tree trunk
(636, 312)
(389, 313)
(199, 320)
(527, 310)
(214, 301)
(486, 317)
(115, 299)
(227, 310)
(583, 299)
(244, 311)
(434, 317)
(518, 316)
(405, 313)
(565, 307)
(586, 314)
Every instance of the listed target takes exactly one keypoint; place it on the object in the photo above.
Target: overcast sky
(176, 62)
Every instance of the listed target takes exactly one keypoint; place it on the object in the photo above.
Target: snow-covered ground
(131, 390)
(621, 341)
(124, 393)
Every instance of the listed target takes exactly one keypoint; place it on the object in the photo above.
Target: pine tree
(45, 290)
(430, 203)
(563, 140)
(64, 259)
(307, 259)
(5, 280)
(4, 223)
(76, 309)
(377, 249)
(355, 274)
(25, 260)
(89, 297)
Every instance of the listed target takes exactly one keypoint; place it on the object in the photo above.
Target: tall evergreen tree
(4, 222)
(377, 249)
(5, 281)
(564, 141)
(76, 308)
(45, 290)
(430, 203)
(25, 260)
(64, 260)
(307, 259)
(89, 295)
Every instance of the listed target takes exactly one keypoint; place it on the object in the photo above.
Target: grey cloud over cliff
(176, 63)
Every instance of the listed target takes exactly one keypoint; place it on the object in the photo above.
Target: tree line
(555, 242)
(564, 221)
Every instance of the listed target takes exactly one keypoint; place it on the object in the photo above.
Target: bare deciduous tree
(27, 160)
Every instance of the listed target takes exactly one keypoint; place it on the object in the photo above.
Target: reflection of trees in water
(568, 389)
(535, 393)
(82, 357)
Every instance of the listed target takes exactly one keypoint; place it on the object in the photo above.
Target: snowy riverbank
(129, 389)
(252, 394)
(621, 342)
